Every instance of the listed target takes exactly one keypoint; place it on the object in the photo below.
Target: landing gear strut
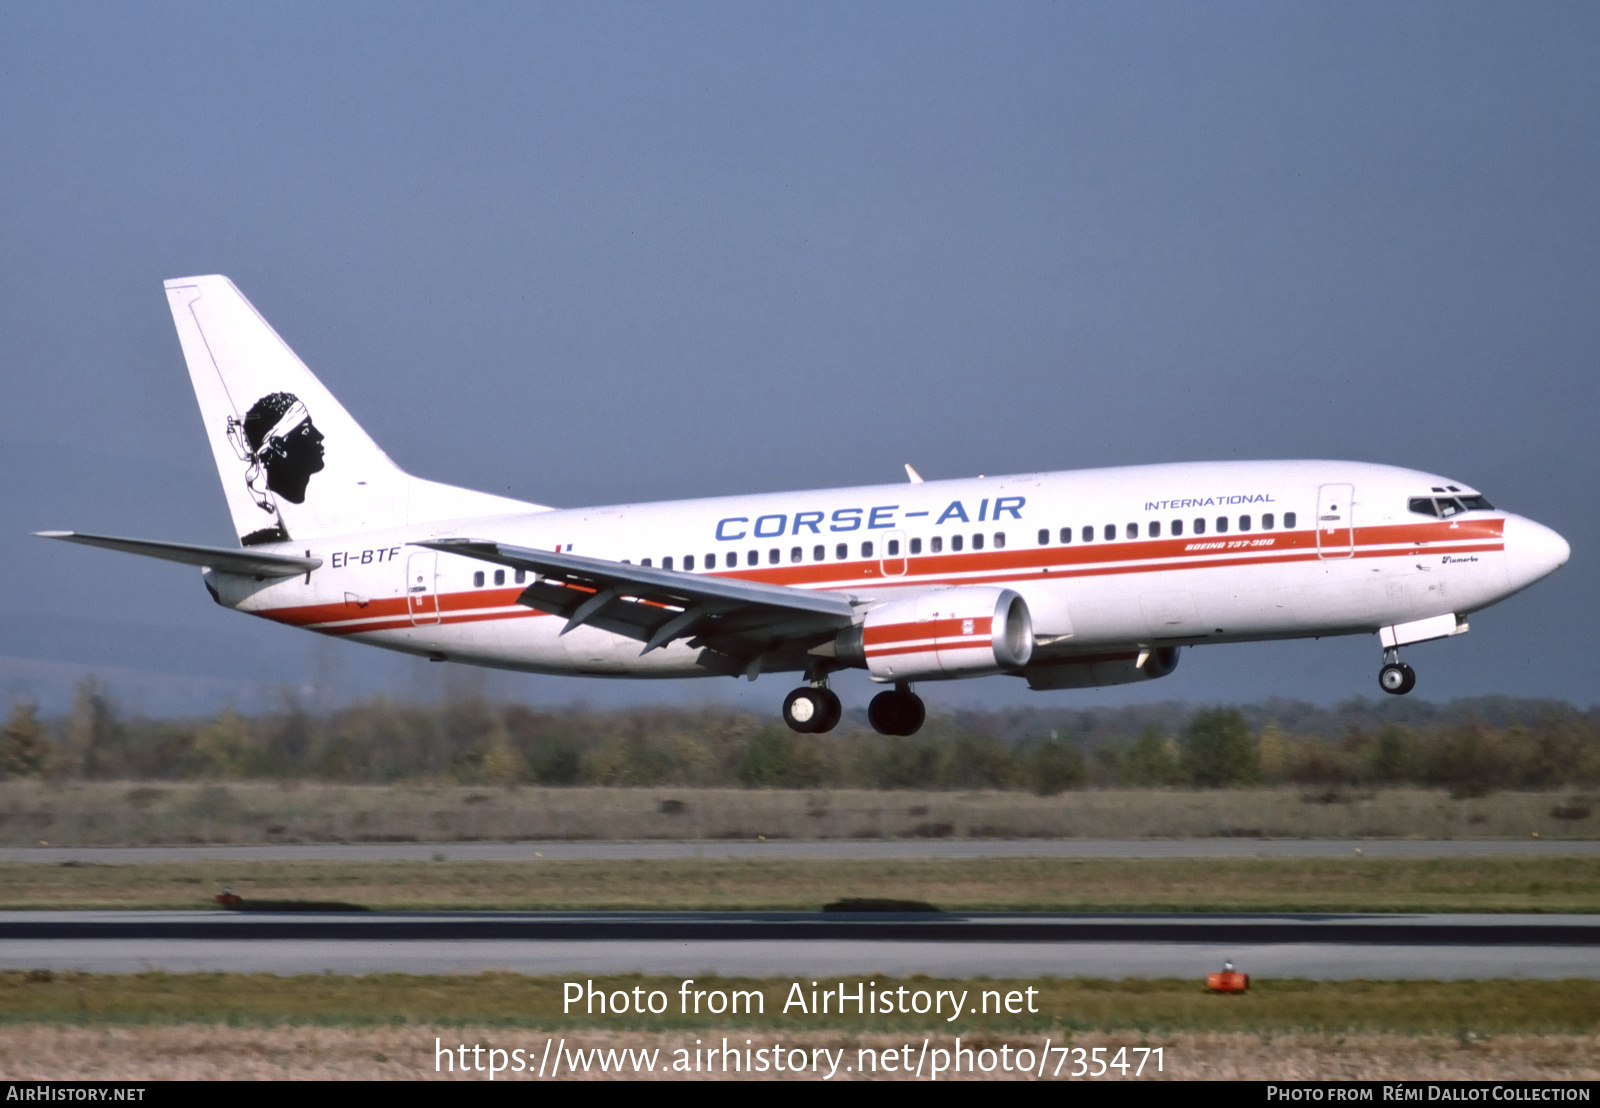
(897, 713)
(812, 709)
(1396, 677)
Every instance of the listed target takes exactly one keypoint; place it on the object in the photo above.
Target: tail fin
(294, 464)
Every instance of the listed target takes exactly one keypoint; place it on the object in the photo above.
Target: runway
(839, 849)
(1328, 947)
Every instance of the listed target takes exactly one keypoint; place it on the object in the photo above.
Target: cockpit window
(1443, 507)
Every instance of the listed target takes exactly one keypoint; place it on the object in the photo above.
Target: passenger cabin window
(819, 553)
(499, 576)
(955, 542)
(711, 561)
(1088, 534)
(1066, 534)
(1266, 522)
(1288, 520)
(796, 554)
(866, 550)
(842, 551)
(894, 548)
(1222, 524)
(1132, 531)
(999, 540)
(1155, 528)
(977, 542)
(522, 576)
(1111, 532)
(666, 563)
(1199, 526)
(1044, 537)
(688, 563)
(752, 558)
(645, 561)
(936, 544)
(1244, 523)
(774, 556)
(477, 579)
(1177, 527)
(916, 546)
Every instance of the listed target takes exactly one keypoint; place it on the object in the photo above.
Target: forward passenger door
(1335, 521)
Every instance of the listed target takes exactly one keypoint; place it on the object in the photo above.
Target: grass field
(215, 1026)
(1146, 1006)
(128, 1054)
(141, 813)
(1357, 883)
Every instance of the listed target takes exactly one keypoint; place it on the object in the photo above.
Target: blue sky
(617, 252)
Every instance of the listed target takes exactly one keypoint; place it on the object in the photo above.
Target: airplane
(1066, 580)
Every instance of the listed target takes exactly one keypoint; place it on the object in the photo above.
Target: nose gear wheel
(1397, 678)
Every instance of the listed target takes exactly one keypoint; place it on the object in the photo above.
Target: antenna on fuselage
(913, 475)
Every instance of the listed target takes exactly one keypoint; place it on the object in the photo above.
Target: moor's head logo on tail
(282, 448)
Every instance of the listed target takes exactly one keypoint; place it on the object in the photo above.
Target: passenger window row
(958, 543)
(1175, 528)
(819, 552)
(521, 577)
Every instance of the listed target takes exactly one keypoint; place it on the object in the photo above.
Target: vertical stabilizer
(294, 464)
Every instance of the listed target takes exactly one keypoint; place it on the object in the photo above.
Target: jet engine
(960, 632)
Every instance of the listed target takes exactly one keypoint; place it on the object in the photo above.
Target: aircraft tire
(896, 713)
(806, 709)
(915, 714)
(833, 711)
(1397, 678)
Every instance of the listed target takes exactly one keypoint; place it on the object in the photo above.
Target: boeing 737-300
(1065, 580)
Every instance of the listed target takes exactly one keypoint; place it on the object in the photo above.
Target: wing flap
(658, 606)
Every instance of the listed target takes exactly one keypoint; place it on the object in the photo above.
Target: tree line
(1469, 747)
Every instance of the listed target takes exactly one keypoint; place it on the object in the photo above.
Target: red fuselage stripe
(968, 568)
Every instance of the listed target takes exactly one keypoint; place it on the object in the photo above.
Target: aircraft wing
(254, 563)
(741, 619)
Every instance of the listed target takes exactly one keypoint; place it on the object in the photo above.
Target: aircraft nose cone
(1535, 550)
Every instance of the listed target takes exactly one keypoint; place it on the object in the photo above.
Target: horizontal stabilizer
(256, 563)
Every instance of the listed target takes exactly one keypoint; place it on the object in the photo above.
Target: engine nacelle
(960, 632)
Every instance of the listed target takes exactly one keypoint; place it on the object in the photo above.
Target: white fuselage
(1160, 555)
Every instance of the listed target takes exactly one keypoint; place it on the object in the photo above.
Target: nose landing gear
(812, 709)
(899, 712)
(1396, 677)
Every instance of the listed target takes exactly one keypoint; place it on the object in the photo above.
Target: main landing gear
(1396, 677)
(899, 712)
(815, 708)
(812, 709)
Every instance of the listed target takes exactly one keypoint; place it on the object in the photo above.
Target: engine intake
(960, 632)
